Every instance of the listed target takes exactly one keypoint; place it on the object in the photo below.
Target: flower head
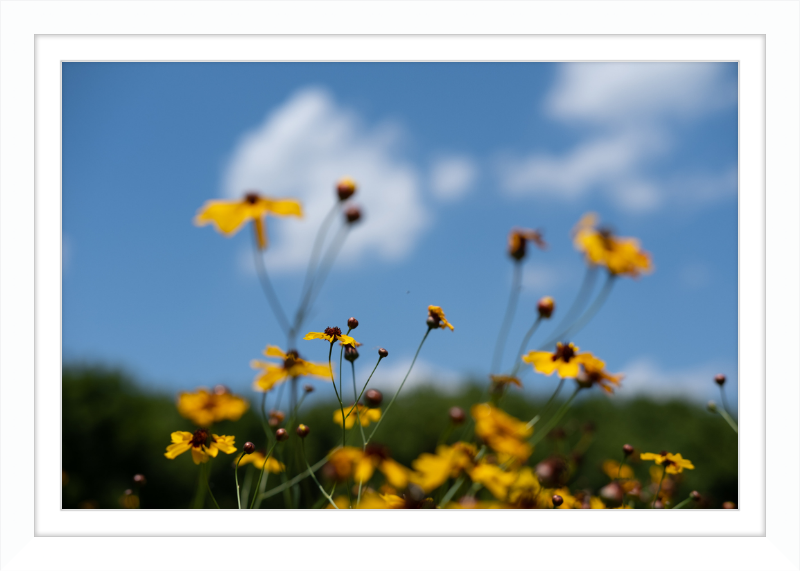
(621, 256)
(258, 459)
(518, 239)
(292, 366)
(229, 215)
(202, 444)
(503, 433)
(367, 416)
(505, 380)
(360, 464)
(565, 361)
(493, 478)
(332, 335)
(204, 407)
(673, 463)
(433, 470)
(436, 318)
(594, 373)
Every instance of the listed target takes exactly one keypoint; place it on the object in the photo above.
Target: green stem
(261, 474)
(341, 352)
(311, 472)
(593, 309)
(208, 486)
(358, 412)
(524, 344)
(452, 491)
(553, 421)
(549, 402)
(502, 335)
(200, 496)
(683, 503)
(380, 420)
(729, 420)
(365, 385)
(269, 291)
(236, 477)
(344, 430)
(655, 498)
(725, 405)
(621, 464)
(575, 308)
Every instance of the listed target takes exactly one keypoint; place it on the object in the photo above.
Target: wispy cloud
(629, 112)
(301, 149)
(389, 376)
(452, 177)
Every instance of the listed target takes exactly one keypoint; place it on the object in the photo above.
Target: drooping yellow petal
(307, 369)
(274, 351)
(228, 216)
(224, 443)
(269, 377)
(347, 340)
(181, 436)
(199, 456)
(284, 207)
(176, 449)
(316, 335)
(542, 361)
(211, 449)
(396, 474)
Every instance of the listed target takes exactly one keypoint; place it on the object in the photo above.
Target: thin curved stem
(269, 291)
(546, 407)
(380, 420)
(341, 407)
(577, 305)
(725, 401)
(655, 498)
(358, 413)
(208, 486)
(524, 344)
(365, 385)
(261, 474)
(553, 421)
(311, 472)
(593, 309)
(236, 477)
(325, 267)
(502, 335)
(683, 503)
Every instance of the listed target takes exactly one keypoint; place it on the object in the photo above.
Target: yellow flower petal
(198, 456)
(284, 207)
(274, 351)
(226, 215)
(176, 449)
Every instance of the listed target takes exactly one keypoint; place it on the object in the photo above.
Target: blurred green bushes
(112, 429)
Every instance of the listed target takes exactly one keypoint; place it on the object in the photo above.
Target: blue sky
(448, 157)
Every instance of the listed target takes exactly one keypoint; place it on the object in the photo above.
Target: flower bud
(374, 398)
(352, 214)
(128, 492)
(308, 388)
(658, 504)
(695, 495)
(712, 406)
(383, 353)
(627, 450)
(432, 321)
(719, 379)
(612, 493)
(350, 353)
(249, 447)
(557, 500)
(546, 306)
(345, 188)
(352, 323)
(139, 480)
(303, 431)
(728, 506)
(221, 390)
(457, 415)
(276, 417)
(281, 434)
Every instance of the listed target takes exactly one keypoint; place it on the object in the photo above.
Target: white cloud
(631, 111)
(542, 279)
(301, 150)
(694, 276)
(452, 177)
(644, 377)
(390, 374)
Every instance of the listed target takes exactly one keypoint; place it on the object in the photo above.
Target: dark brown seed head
(695, 495)
(249, 447)
(627, 450)
(352, 214)
(334, 332)
(433, 322)
(719, 379)
(281, 434)
(374, 398)
(199, 438)
(546, 306)
(303, 431)
(557, 500)
(350, 353)
(345, 188)
(308, 388)
(352, 323)
(139, 480)
(383, 353)
(457, 415)
(251, 197)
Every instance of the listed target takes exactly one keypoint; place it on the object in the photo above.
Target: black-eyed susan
(566, 361)
(204, 407)
(502, 432)
(229, 215)
(621, 256)
(673, 463)
(433, 470)
(366, 415)
(202, 443)
(518, 239)
(258, 459)
(292, 366)
(594, 373)
(332, 335)
(436, 318)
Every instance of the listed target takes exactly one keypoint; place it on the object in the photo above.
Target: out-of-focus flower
(566, 361)
(467, 503)
(594, 373)
(621, 256)
(503, 433)
(553, 471)
(568, 500)
(129, 500)
(332, 335)
(345, 188)
(229, 215)
(202, 444)
(524, 492)
(359, 464)
(505, 380)
(613, 471)
(204, 407)
(433, 470)
(293, 366)
(546, 306)
(367, 416)
(518, 239)
(436, 318)
(493, 478)
(673, 463)
(258, 458)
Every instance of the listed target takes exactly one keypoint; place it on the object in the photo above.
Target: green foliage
(112, 430)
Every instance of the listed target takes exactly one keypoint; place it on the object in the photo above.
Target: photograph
(400, 285)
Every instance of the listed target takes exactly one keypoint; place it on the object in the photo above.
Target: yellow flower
(293, 366)
(257, 459)
(503, 433)
(352, 462)
(229, 215)
(505, 380)
(201, 443)
(204, 407)
(493, 478)
(621, 256)
(372, 501)
(525, 490)
(518, 239)
(570, 501)
(594, 373)
(473, 504)
(673, 463)
(565, 361)
(611, 468)
(366, 414)
(437, 315)
(433, 470)
(331, 335)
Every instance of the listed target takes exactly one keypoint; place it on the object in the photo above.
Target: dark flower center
(292, 357)
(199, 438)
(334, 332)
(377, 450)
(251, 198)
(607, 237)
(564, 353)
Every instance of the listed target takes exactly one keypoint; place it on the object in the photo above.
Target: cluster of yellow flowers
(493, 450)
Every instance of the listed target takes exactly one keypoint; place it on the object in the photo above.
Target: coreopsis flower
(433, 470)
(361, 464)
(525, 490)
(229, 215)
(503, 433)
(594, 373)
(258, 459)
(673, 463)
(204, 407)
(566, 361)
(436, 318)
(613, 470)
(505, 380)
(518, 239)
(202, 444)
(332, 335)
(292, 366)
(493, 478)
(467, 503)
(367, 416)
(621, 256)
(372, 501)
